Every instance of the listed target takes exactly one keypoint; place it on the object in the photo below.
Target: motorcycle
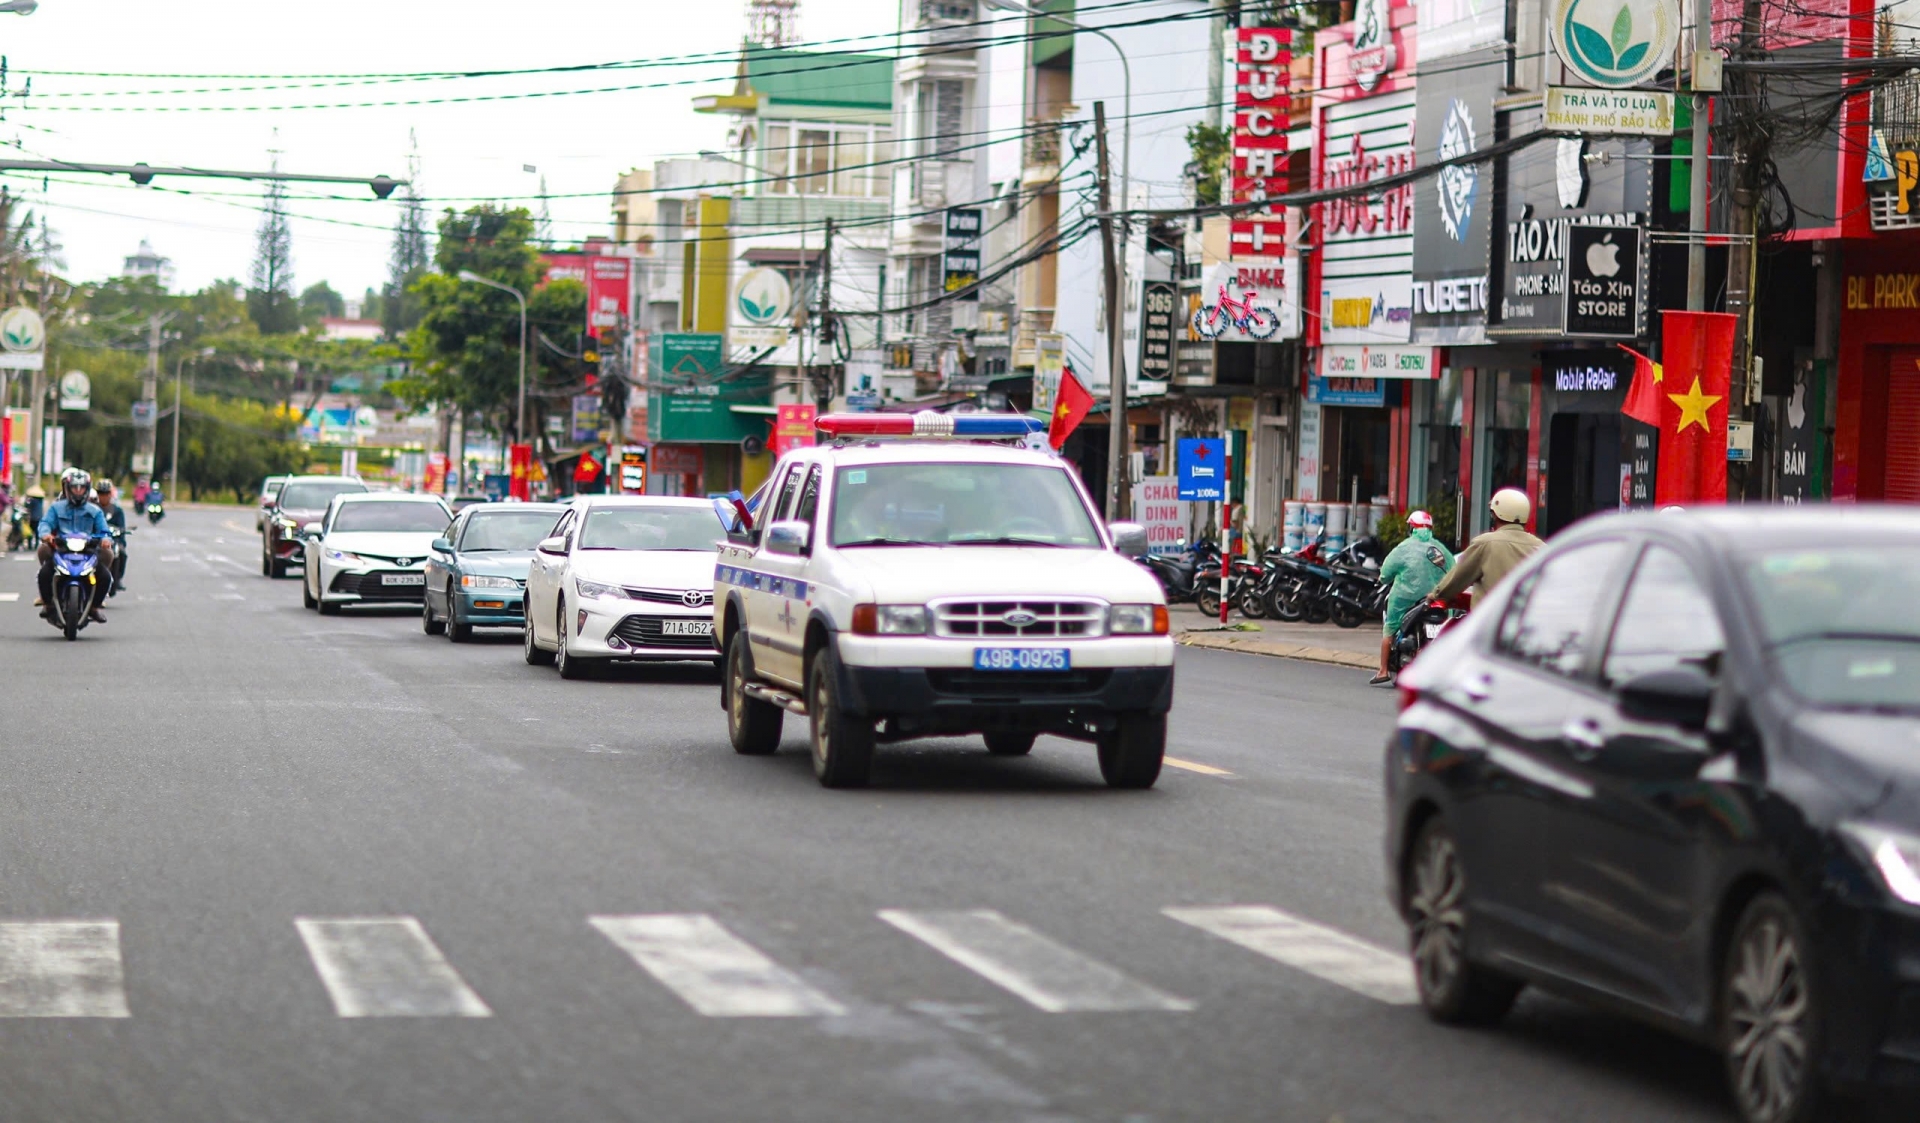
(1424, 623)
(74, 562)
(120, 559)
(155, 511)
(1354, 591)
(19, 528)
(1182, 575)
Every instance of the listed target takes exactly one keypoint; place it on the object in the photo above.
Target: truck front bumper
(928, 701)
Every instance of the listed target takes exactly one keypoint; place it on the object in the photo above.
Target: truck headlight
(475, 581)
(1895, 854)
(889, 619)
(1137, 620)
(593, 590)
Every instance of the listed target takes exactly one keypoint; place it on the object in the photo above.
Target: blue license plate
(1021, 659)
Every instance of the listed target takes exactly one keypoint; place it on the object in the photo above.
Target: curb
(1255, 646)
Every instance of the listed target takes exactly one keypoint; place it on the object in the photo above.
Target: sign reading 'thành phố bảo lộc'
(1633, 112)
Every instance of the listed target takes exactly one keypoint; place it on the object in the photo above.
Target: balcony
(1041, 150)
(1896, 121)
(1030, 322)
(782, 212)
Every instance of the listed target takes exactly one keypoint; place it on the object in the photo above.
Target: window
(1667, 619)
(398, 516)
(847, 161)
(809, 497)
(784, 505)
(505, 530)
(651, 528)
(812, 160)
(959, 504)
(315, 497)
(564, 528)
(1551, 628)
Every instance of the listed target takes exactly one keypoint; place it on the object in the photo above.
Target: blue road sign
(1202, 468)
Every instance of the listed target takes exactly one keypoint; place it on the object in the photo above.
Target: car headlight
(476, 581)
(593, 590)
(341, 557)
(1137, 620)
(287, 525)
(1895, 854)
(890, 619)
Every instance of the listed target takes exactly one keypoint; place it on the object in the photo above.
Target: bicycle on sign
(1211, 321)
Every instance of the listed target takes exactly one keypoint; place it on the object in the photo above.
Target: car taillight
(1408, 696)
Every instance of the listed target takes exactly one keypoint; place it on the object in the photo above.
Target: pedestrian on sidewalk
(1411, 571)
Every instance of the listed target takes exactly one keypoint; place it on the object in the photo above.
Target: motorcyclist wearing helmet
(72, 515)
(1490, 557)
(109, 504)
(1410, 572)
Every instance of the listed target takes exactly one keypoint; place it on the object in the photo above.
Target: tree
(318, 302)
(270, 301)
(400, 307)
(1212, 148)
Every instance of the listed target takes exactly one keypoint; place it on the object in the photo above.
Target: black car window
(1666, 619)
(788, 485)
(809, 497)
(564, 528)
(1552, 629)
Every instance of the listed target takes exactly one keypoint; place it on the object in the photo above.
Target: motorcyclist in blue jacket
(74, 516)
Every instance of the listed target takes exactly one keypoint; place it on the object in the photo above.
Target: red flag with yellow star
(1070, 405)
(1694, 391)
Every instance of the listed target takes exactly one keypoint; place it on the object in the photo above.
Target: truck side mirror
(1129, 539)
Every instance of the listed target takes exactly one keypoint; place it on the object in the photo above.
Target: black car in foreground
(1671, 767)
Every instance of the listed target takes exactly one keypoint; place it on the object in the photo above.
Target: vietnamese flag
(1694, 390)
(1070, 406)
(1643, 396)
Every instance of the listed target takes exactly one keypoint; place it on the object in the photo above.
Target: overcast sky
(476, 149)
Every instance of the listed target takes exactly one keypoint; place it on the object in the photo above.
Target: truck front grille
(1019, 619)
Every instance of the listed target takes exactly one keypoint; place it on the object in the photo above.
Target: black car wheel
(1010, 744)
(535, 655)
(458, 632)
(569, 665)
(1769, 1019)
(1132, 751)
(842, 743)
(429, 623)
(1453, 989)
(752, 725)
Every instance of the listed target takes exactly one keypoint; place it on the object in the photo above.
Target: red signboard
(1261, 106)
(792, 428)
(436, 482)
(608, 281)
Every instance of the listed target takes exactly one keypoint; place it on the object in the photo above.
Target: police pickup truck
(939, 584)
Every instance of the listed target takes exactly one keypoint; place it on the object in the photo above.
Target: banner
(520, 481)
(1694, 386)
(436, 481)
(1157, 506)
(792, 428)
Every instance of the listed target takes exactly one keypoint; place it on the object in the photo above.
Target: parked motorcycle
(1354, 591)
(74, 562)
(1181, 575)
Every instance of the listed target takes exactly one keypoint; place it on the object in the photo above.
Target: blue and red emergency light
(926, 423)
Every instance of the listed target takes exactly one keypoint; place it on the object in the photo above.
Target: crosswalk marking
(1049, 975)
(61, 969)
(711, 969)
(386, 967)
(1324, 952)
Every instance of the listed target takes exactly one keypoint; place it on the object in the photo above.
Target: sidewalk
(1319, 643)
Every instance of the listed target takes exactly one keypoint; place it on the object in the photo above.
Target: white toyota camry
(623, 577)
(371, 548)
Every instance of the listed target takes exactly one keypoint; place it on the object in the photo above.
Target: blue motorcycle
(75, 558)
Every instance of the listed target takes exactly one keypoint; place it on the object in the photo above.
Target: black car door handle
(1583, 735)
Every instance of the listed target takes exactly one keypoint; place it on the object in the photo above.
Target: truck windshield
(959, 505)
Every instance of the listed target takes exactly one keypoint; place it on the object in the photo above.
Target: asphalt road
(579, 904)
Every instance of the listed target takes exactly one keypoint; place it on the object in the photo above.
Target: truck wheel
(1131, 752)
(1010, 744)
(842, 743)
(752, 725)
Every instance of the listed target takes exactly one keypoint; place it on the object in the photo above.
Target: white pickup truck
(924, 587)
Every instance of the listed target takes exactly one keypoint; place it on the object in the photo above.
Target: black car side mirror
(1680, 696)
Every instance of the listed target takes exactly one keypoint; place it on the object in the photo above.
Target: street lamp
(520, 416)
(1126, 81)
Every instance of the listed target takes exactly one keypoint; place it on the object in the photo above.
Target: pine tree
(400, 309)
(270, 302)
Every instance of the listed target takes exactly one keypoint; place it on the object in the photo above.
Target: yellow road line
(1192, 766)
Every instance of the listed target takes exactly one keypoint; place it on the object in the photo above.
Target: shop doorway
(1364, 440)
(1583, 468)
(1903, 421)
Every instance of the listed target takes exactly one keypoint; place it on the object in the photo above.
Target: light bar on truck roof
(926, 423)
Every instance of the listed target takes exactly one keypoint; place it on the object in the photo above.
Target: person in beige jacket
(1490, 557)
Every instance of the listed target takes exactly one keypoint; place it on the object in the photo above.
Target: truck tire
(842, 742)
(1131, 752)
(1010, 744)
(753, 726)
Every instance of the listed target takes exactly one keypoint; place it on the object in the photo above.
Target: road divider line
(61, 969)
(1194, 766)
(9, 598)
(711, 969)
(386, 967)
(1049, 975)
(1325, 953)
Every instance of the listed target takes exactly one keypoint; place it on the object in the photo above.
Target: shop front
(1876, 438)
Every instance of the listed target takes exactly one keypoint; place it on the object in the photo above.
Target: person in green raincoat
(1411, 571)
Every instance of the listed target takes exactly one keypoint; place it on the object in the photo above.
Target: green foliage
(270, 299)
(400, 308)
(318, 302)
(1211, 148)
(1391, 530)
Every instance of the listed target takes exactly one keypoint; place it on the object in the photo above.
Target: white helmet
(1510, 505)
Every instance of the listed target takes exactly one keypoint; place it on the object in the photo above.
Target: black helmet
(74, 478)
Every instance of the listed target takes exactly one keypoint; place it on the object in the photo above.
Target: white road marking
(1326, 953)
(1194, 766)
(228, 596)
(1051, 976)
(386, 967)
(169, 557)
(159, 598)
(9, 598)
(61, 969)
(712, 970)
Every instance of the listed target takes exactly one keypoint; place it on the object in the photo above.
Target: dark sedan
(477, 574)
(302, 500)
(1671, 766)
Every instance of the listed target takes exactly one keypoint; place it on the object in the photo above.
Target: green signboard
(694, 394)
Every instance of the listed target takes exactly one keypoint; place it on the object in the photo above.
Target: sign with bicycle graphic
(1249, 303)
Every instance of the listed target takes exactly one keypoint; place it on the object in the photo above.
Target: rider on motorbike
(72, 515)
(1490, 557)
(1414, 567)
(117, 522)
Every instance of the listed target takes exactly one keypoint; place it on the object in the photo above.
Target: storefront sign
(76, 390)
(690, 403)
(1307, 470)
(792, 428)
(1603, 281)
(586, 418)
(1374, 54)
(1612, 112)
(1349, 361)
(1452, 235)
(1049, 359)
(1242, 302)
(19, 423)
(961, 262)
(1451, 27)
(1611, 44)
(609, 291)
(1202, 468)
(1157, 506)
(1883, 290)
(762, 308)
(1365, 293)
(1262, 104)
(1347, 391)
(1159, 309)
(1800, 437)
(23, 339)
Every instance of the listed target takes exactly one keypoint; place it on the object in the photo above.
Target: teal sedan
(477, 574)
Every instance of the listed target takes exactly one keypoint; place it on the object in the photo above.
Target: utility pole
(1697, 167)
(1116, 347)
(824, 401)
(1743, 258)
(144, 439)
(173, 461)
